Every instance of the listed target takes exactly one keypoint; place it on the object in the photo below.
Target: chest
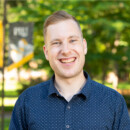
(79, 114)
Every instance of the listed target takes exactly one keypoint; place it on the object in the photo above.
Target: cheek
(52, 54)
(79, 49)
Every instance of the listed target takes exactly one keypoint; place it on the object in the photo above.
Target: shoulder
(38, 87)
(107, 97)
(107, 93)
(36, 90)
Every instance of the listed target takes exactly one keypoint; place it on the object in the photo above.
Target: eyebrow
(74, 36)
(54, 40)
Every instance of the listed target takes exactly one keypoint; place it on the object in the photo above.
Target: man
(70, 100)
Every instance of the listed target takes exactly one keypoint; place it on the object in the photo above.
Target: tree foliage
(105, 26)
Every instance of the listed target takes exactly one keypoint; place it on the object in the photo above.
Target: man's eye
(56, 43)
(73, 41)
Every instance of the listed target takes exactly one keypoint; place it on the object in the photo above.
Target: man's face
(65, 49)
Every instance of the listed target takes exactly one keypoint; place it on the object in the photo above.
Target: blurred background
(106, 27)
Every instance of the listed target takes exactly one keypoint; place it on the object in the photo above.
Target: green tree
(105, 25)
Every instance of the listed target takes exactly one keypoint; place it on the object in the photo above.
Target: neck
(68, 87)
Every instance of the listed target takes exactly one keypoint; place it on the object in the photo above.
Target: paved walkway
(8, 115)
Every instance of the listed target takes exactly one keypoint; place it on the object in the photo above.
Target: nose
(65, 49)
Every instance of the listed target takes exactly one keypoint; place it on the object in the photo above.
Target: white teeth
(67, 60)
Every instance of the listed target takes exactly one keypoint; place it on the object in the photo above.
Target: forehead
(63, 29)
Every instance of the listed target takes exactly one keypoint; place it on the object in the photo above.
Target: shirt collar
(85, 91)
(52, 89)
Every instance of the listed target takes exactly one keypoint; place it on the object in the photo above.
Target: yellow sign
(21, 62)
(1, 44)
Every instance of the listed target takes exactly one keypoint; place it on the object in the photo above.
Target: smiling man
(70, 99)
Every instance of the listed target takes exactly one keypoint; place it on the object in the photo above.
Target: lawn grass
(121, 85)
(6, 123)
(10, 93)
(124, 85)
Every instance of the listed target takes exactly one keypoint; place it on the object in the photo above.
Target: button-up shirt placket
(68, 116)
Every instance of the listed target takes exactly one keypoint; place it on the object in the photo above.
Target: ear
(45, 51)
(85, 46)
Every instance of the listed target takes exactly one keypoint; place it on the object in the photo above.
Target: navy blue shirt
(96, 107)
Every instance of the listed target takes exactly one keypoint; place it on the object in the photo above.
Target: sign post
(1, 44)
(3, 65)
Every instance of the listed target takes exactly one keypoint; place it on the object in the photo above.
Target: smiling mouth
(67, 60)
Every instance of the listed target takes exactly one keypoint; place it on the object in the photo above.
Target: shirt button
(67, 126)
(68, 107)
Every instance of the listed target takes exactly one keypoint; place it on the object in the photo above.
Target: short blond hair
(56, 17)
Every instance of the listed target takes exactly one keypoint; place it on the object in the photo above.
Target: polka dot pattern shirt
(96, 107)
